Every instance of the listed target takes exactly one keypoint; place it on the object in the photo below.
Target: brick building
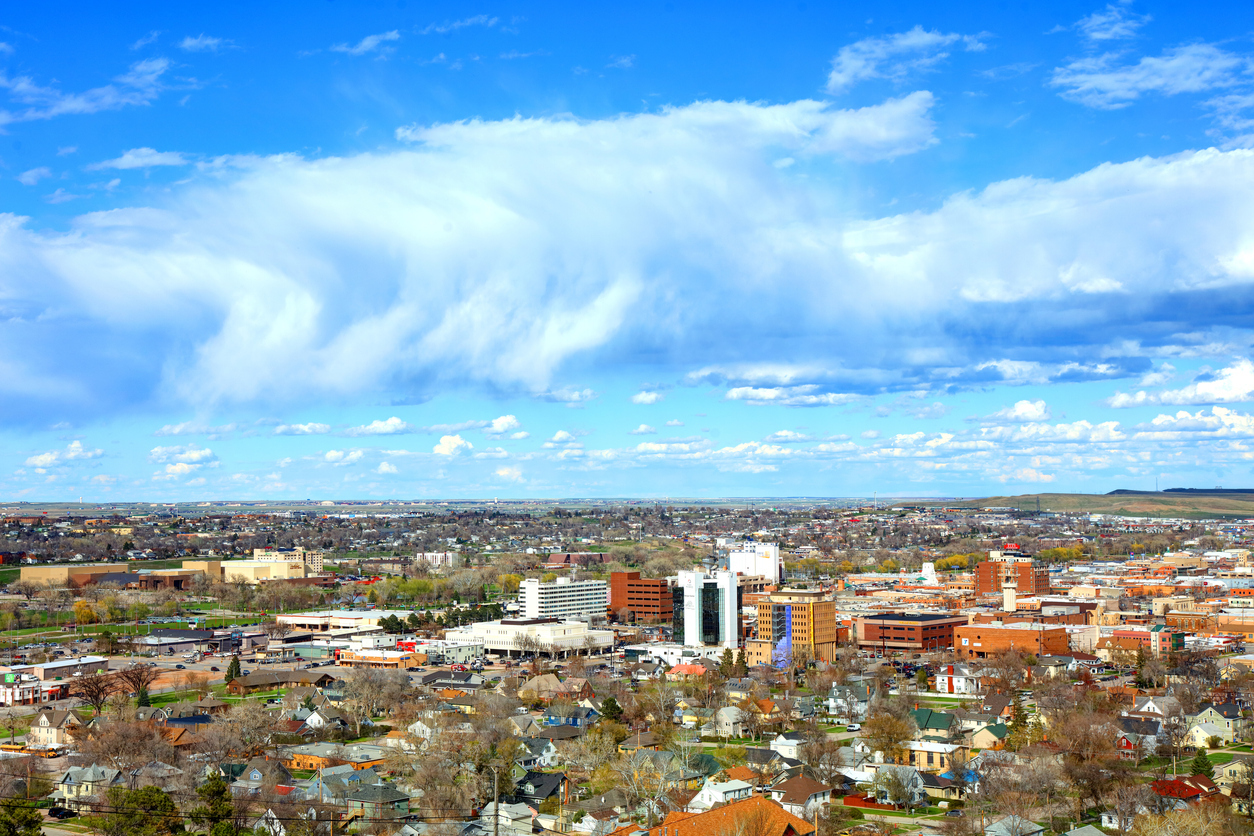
(978, 641)
(912, 632)
(798, 618)
(649, 599)
(1011, 569)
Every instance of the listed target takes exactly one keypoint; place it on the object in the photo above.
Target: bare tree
(94, 689)
(137, 678)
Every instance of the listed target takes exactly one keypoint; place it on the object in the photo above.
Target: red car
(459, 668)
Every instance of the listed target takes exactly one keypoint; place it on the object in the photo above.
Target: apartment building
(563, 598)
(309, 558)
(645, 599)
(757, 559)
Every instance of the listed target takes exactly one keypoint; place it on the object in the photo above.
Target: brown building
(1018, 570)
(801, 616)
(913, 632)
(978, 641)
(648, 599)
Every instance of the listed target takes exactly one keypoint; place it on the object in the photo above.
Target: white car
(853, 727)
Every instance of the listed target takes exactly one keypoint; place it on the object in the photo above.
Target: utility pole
(496, 804)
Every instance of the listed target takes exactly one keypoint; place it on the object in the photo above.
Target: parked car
(61, 813)
(854, 727)
(180, 667)
(953, 814)
(214, 669)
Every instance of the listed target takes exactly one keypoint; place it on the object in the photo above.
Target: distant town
(600, 669)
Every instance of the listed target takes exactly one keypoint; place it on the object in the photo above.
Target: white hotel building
(564, 598)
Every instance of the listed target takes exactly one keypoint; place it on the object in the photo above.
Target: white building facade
(516, 636)
(706, 609)
(757, 559)
(564, 598)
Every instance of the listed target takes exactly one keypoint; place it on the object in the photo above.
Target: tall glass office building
(706, 609)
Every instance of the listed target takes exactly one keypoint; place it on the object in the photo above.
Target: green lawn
(1220, 758)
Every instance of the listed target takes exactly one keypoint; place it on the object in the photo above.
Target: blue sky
(422, 250)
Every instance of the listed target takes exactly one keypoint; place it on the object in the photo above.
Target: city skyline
(539, 250)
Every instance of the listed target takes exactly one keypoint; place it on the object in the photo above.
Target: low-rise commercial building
(913, 632)
(519, 636)
(979, 641)
(633, 598)
(322, 621)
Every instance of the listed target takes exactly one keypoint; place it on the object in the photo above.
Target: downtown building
(1011, 569)
(640, 599)
(562, 599)
(705, 609)
(794, 625)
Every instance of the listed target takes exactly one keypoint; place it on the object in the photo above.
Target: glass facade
(677, 613)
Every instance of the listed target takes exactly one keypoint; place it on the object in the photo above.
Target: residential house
(801, 795)
(1200, 736)
(1014, 826)
(788, 744)
(640, 740)
(728, 721)
(934, 725)
(957, 679)
(941, 788)
(998, 705)
(1155, 707)
(910, 779)
(1240, 770)
(756, 814)
(258, 773)
(686, 672)
(379, 801)
(1189, 789)
(543, 688)
(932, 756)
(1226, 715)
(536, 787)
(570, 715)
(79, 786)
(54, 729)
(850, 703)
(990, 737)
(722, 792)
(739, 690)
(537, 753)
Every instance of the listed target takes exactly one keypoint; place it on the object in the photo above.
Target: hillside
(1188, 505)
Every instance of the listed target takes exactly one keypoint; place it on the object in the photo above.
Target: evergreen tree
(1018, 717)
(727, 665)
(216, 808)
(611, 710)
(1201, 764)
(742, 666)
(141, 698)
(16, 819)
(232, 670)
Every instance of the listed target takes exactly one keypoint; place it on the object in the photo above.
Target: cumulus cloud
(370, 43)
(568, 396)
(340, 458)
(894, 56)
(1027, 474)
(510, 474)
(674, 422)
(647, 397)
(492, 453)
(74, 451)
(385, 468)
(1232, 384)
(643, 429)
(1218, 422)
(451, 445)
(1022, 412)
(184, 454)
(311, 428)
(561, 438)
(502, 425)
(392, 426)
(805, 395)
(786, 437)
(141, 158)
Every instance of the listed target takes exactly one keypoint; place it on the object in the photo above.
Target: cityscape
(660, 419)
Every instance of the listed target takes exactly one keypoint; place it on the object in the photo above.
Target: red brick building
(1019, 570)
(648, 599)
(913, 632)
(979, 641)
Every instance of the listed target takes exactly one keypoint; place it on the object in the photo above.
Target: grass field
(1194, 506)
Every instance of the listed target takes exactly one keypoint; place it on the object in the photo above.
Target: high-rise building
(706, 609)
(1011, 568)
(311, 559)
(757, 559)
(646, 599)
(564, 598)
(794, 624)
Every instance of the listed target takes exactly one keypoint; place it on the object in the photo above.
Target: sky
(418, 250)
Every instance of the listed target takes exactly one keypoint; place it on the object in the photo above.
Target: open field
(1188, 505)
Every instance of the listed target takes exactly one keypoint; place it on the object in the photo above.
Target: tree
(276, 629)
(887, 733)
(742, 665)
(27, 589)
(233, 669)
(891, 784)
(216, 810)
(1201, 764)
(148, 811)
(16, 819)
(611, 710)
(137, 678)
(95, 689)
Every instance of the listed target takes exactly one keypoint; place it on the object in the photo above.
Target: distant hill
(1194, 491)
(1181, 503)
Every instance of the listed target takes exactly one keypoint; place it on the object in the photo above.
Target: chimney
(916, 706)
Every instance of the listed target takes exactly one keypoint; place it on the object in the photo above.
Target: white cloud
(786, 437)
(34, 175)
(1102, 81)
(568, 396)
(451, 445)
(1022, 412)
(492, 453)
(1219, 422)
(805, 395)
(502, 425)
(870, 434)
(176, 470)
(1027, 474)
(74, 451)
(202, 43)
(453, 25)
(185, 454)
(195, 428)
(643, 429)
(1115, 22)
(674, 422)
(1232, 384)
(367, 44)
(150, 38)
(622, 62)
(647, 397)
(302, 429)
(1160, 377)
(519, 436)
(140, 85)
(6, 49)
(893, 56)
(141, 158)
(392, 426)
(340, 458)
(384, 468)
(561, 438)
(510, 474)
